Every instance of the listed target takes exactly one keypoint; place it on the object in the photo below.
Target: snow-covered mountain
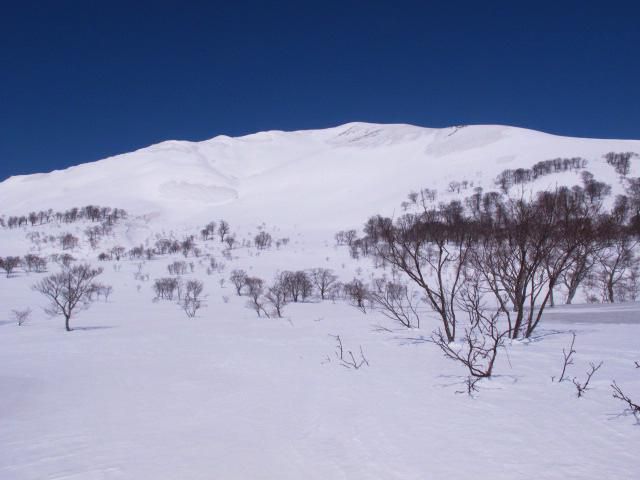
(317, 178)
(142, 390)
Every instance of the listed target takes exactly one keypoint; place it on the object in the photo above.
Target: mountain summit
(324, 178)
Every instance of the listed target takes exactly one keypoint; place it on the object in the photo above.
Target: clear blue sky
(84, 80)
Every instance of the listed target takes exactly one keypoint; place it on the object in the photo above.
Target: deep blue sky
(84, 80)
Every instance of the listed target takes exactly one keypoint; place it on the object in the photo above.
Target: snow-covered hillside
(143, 389)
(316, 179)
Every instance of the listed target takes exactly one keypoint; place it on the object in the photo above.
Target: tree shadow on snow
(91, 328)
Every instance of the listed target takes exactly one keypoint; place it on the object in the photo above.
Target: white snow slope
(140, 391)
(316, 179)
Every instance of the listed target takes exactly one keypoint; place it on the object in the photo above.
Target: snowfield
(139, 391)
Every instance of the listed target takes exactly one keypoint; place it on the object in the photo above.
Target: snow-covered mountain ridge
(326, 178)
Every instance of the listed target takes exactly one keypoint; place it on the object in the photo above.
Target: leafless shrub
(346, 358)
(21, 316)
(478, 349)
(632, 406)
(568, 359)
(583, 387)
(470, 384)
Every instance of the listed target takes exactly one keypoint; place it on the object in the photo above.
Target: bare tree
(191, 302)
(238, 278)
(432, 249)
(230, 240)
(358, 293)
(323, 279)
(276, 296)
(617, 264)
(395, 302)
(69, 291)
(223, 230)
(255, 289)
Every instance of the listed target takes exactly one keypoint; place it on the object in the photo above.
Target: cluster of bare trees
(222, 230)
(179, 267)
(166, 287)
(262, 240)
(513, 252)
(621, 162)
(9, 264)
(163, 246)
(34, 263)
(288, 286)
(188, 294)
(90, 213)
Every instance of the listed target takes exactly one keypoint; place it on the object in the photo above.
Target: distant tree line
(91, 213)
(509, 178)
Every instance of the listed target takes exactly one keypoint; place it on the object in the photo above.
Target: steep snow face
(320, 179)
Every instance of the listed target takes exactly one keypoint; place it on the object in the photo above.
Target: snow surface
(140, 391)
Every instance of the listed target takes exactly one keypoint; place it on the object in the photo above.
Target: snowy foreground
(138, 390)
